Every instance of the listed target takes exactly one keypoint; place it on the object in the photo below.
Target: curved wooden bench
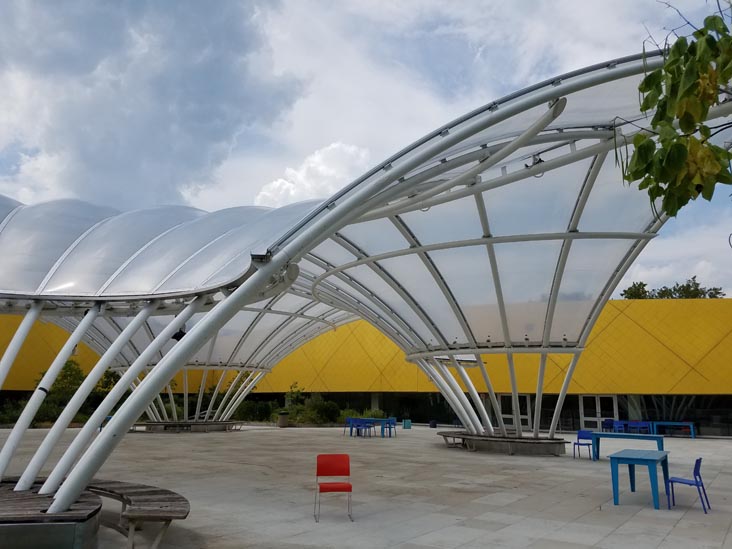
(141, 503)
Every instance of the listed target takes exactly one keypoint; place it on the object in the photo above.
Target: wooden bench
(141, 503)
(499, 444)
(597, 435)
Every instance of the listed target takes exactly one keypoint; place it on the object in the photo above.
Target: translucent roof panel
(422, 288)
(527, 272)
(590, 262)
(474, 288)
(169, 253)
(228, 258)
(615, 206)
(452, 221)
(536, 205)
(375, 237)
(36, 237)
(107, 247)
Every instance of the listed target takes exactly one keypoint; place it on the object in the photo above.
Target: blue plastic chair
(607, 425)
(583, 435)
(618, 427)
(696, 481)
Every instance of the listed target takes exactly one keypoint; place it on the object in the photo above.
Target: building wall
(636, 347)
(41, 347)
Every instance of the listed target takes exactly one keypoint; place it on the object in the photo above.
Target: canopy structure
(504, 231)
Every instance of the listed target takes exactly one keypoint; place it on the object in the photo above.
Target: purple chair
(583, 436)
(696, 481)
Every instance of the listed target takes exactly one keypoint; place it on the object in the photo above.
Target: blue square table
(631, 458)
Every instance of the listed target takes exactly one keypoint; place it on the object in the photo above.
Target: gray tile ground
(255, 489)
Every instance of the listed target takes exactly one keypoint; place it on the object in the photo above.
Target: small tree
(637, 290)
(691, 289)
(675, 159)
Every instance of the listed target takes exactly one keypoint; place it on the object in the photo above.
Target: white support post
(491, 394)
(171, 398)
(474, 426)
(202, 385)
(18, 339)
(442, 386)
(67, 415)
(539, 394)
(185, 394)
(161, 407)
(39, 395)
(215, 395)
(105, 407)
(514, 395)
(151, 410)
(475, 397)
(250, 387)
(234, 399)
(562, 394)
(221, 409)
(152, 413)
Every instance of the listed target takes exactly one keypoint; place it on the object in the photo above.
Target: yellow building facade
(669, 347)
(636, 347)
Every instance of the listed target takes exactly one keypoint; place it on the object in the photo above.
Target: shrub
(348, 412)
(374, 413)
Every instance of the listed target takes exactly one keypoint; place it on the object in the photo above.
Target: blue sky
(132, 104)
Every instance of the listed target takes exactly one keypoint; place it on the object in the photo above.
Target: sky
(134, 104)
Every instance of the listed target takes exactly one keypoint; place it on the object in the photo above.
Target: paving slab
(255, 488)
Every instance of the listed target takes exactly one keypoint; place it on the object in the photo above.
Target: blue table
(387, 424)
(689, 424)
(631, 458)
(597, 435)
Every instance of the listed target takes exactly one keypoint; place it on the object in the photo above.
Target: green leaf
(687, 122)
(715, 23)
(676, 157)
(652, 81)
(689, 79)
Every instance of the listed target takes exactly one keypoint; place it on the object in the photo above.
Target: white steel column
(105, 407)
(39, 395)
(491, 394)
(255, 379)
(514, 394)
(215, 394)
(171, 399)
(442, 386)
(185, 394)
(562, 394)
(161, 407)
(221, 409)
(474, 396)
(474, 426)
(73, 406)
(151, 412)
(539, 394)
(204, 375)
(18, 339)
(239, 390)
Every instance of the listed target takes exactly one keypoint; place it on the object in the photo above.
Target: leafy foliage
(677, 162)
(691, 289)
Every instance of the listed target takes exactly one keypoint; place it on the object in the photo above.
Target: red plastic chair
(332, 465)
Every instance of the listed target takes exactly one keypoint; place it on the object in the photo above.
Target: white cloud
(702, 250)
(320, 175)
